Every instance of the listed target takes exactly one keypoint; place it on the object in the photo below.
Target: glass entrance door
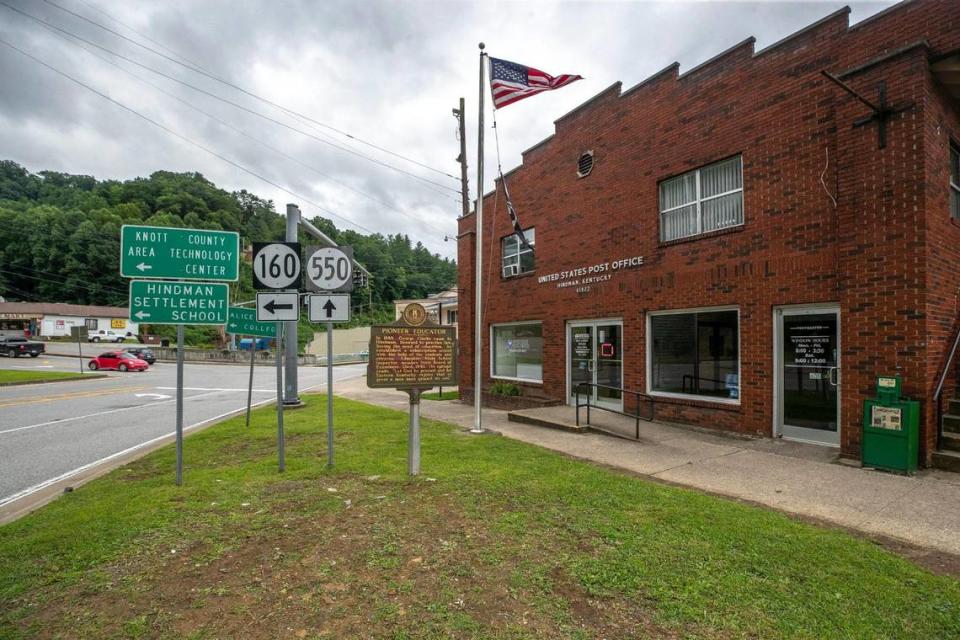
(809, 375)
(596, 356)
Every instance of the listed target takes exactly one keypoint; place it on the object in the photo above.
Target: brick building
(731, 242)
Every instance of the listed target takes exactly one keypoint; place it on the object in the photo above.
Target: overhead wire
(185, 138)
(436, 186)
(246, 135)
(196, 68)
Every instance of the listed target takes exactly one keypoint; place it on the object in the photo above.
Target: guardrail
(636, 394)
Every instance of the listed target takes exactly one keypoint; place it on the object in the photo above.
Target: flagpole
(478, 264)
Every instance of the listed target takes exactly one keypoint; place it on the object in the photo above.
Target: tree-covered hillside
(60, 237)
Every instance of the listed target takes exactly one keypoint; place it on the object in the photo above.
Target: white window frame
(518, 256)
(493, 375)
(692, 396)
(954, 187)
(699, 201)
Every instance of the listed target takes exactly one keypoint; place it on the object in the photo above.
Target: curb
(85, 376)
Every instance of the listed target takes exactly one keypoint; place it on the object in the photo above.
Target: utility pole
(460, 115)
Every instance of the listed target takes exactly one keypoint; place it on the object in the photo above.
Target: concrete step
(534, 417)
(947, 460)
(954, 407)
(951, 422)
(951, 441)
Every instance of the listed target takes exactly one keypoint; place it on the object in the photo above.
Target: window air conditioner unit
(511, 270)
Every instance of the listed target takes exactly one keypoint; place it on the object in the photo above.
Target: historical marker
(276, 265)
(244, 322)
(330, 269)
(330, 307)
(404, 357)
(187, 254)
(278, 307)
(158, 302)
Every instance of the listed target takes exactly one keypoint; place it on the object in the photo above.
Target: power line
(246, 135)
(231, 103)
(196, 68)
(184, 138)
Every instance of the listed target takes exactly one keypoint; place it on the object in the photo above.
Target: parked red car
(120, 360)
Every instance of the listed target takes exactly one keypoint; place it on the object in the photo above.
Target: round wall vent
(585, 164)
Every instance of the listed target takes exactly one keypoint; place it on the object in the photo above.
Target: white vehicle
(106, 335)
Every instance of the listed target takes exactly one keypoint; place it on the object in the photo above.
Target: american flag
(510, 81)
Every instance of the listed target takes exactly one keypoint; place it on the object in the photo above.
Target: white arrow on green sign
(158, 302)
(188, 254)
(243, 322)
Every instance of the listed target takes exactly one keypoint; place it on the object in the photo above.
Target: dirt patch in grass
(380, 560)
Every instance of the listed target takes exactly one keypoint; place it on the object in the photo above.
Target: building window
(702, 200)
(516, 258)
(452, 317)
(695, 353)
(517, 351)
(954, 182)
(90, 323)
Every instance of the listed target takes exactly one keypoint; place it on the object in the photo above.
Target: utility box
(891, 428)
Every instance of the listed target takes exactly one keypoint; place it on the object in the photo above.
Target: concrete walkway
(806, 480)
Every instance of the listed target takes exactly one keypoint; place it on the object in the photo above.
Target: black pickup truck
(16, 347)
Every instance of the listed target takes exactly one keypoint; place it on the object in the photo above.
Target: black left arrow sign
(273, 305)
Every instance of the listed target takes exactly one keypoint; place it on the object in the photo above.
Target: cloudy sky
(387, 73)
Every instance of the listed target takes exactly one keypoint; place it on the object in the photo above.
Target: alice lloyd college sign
(583, 277)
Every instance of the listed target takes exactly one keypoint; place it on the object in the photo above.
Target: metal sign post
(80, 333)
(280, 443)
(179, 404)
(330, 395)
(413, 436)
(253, 355)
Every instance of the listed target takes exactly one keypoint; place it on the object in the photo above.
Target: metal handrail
(636, 416)
(943, 379)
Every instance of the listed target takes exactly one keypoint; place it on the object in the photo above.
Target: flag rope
(517, 229)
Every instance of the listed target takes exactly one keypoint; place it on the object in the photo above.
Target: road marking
(215, 389)
(46, 483)
(155, 396)
(68, 396)
(102, 413)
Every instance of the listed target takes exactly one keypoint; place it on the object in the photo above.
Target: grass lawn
(436, 395)
(497, 539)
(22, 377)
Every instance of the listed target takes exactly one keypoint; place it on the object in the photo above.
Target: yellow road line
(69, 396)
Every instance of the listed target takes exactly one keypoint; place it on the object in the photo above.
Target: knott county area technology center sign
(187, 254)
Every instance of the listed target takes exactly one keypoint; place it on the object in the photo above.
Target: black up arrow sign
(329, 308)
(272, 306)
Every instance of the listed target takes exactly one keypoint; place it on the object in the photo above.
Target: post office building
(748, 243)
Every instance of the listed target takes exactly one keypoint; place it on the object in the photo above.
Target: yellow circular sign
(414, 314)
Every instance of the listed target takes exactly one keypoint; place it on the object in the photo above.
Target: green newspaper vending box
(890, 428)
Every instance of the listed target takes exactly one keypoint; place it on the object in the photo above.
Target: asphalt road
(51, 430)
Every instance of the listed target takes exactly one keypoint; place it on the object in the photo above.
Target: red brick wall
(942, 286)
(795, 247)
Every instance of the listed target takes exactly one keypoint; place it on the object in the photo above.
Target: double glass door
(809, 374)
(595, 351)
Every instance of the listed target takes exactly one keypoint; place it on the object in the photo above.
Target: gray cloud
(389, 72)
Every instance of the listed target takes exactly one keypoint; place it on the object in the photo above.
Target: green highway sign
(188, 254)
(158, 302)
(244, 322)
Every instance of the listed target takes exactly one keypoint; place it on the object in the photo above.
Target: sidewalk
(805, 480)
